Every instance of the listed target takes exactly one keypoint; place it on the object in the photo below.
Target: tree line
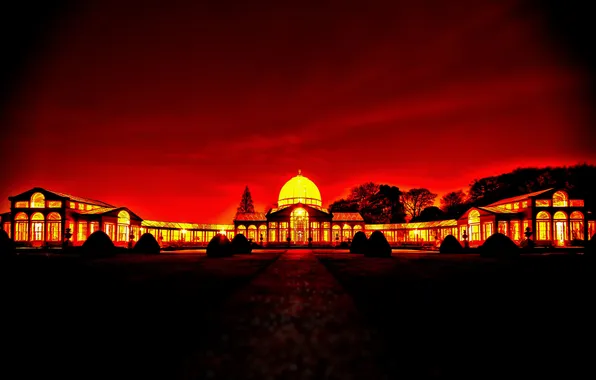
(382, 203)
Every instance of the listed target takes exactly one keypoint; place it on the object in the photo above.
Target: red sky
(172, 109)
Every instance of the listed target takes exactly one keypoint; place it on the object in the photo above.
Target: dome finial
(299, 172)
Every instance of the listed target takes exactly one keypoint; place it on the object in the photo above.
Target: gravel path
(293, 321)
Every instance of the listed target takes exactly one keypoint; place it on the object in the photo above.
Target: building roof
(497, 210)
(251, 216)
(97, 211)
(188, 226)
(80, 199)
(415, 225)
(519, 197)
(300, 189)
(347, 216)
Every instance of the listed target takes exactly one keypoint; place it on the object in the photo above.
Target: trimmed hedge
(450, 245)
(7, 245)
(147, 244)
(98, 244)
(377, 245)
(359, 243)
(241, 245)
(499, 245)
(219, 246)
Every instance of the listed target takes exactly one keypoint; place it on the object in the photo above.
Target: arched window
(54, 231)
(241, 230)
(252, 232)
(37, 224)
(299, 225)
(21, 227)
(543, 226)
(123, 225)
(560, 199)
(577, 225)
(347, 232)
(263, 232)
(560, 230)
(38, 200)
(560, 215)
(474, 217)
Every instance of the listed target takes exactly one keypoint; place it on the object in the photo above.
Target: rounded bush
(241, 245)
(450, 245)
(359, 243)
(498, 245)
(219, 246)
(377, 245)
(98, 244)
(147, 244)
(7, 246)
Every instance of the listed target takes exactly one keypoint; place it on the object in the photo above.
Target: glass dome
(299, 189)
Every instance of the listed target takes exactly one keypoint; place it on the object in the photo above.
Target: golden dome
(299, 189)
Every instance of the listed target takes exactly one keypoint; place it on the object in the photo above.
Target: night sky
(170, 108)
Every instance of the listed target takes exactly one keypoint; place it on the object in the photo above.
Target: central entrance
(299, 225)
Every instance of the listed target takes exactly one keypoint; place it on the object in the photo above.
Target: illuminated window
(560, 199)
(54, 222)
(81, 206)
(542, 202)
(37, 225)
(109, 229)
(38, 200)
(515, 232)
(591, 228)
(347, 232)
(21, 227)
(299, 225)
(577, 225)
(474, 217)
(88, 207)
(508, 206)
(82, 231)
(576, 203)
(263, 233)
(124, 226)
(93, 226)
(516, 206)
(241, 230)
(543, 225)
(475, 232)
(252, 232)
(503, 227)
(72, 205)
(525, 204)
(326, 232)
(488, 229)
(21, 204)
(54, 204)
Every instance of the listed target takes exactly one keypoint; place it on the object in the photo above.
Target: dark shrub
(98, 244)
(219, 246)
(527, 244)
(377, 245)
(7, 246)
(450, 245)
(240, 244)
(147, 244)
(359, 243)
(498, 245)
(343, 245)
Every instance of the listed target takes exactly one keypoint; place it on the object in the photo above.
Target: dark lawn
(462, 315)
(130, 316)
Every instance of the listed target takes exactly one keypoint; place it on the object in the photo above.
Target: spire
(299, 172)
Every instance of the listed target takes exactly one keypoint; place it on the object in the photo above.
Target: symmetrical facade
(44, 217)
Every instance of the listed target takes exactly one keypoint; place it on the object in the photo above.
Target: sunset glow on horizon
(172, 111)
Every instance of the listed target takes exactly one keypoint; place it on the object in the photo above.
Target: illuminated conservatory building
(43, 217)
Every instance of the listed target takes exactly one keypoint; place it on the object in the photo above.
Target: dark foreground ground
(297, 315)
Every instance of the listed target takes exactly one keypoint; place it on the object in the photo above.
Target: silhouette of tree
(246, 205)
(376, 203)
(429, 214)
(454, 204)
(415, 200)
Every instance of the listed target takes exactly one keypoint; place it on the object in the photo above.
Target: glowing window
(474, 217)
(21, 204)
(542, 203)
(516, 206)
(560, 215)
(21, 216)
(488, 229)
(81, 206)
(123, 217)
(560, 199)
(82, 231)
(525, 204)
(88, 207)
(72, 205)
(576, 215)
(241, 230)
(54, 230)
(37, 216)
(38, 200)
(576, 203)
(508, 206)
(543, 215)
(357, 228)
(21, 227)
(54, 204)
(37, 225)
